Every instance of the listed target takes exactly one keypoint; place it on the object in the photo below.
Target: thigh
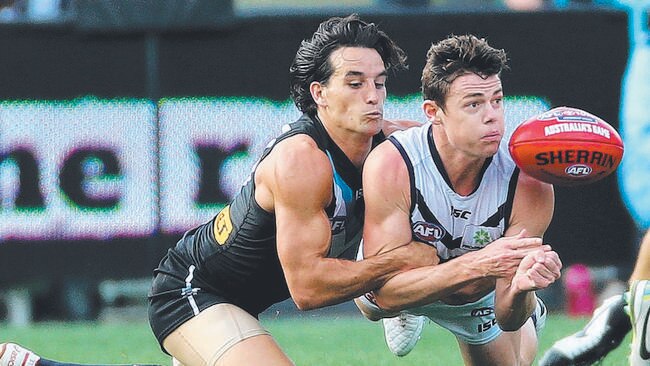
(508, 349)
(258, 350)
(221, 335)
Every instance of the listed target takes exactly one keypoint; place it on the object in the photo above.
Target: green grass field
(309, 340)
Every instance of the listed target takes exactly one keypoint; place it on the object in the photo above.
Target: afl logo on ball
(428, 232)
(578, 170)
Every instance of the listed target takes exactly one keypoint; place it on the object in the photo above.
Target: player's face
(353, 98)
(473, 118)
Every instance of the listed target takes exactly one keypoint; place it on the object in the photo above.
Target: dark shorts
(173, 301)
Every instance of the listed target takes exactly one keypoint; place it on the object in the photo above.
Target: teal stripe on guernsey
(345, 189)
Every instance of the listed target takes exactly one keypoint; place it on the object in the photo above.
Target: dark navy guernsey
(233, 258)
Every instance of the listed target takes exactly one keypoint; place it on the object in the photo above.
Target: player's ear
(318, 93)
(432, 111)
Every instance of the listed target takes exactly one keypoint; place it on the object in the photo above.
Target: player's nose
(373, 95)
(492, 113)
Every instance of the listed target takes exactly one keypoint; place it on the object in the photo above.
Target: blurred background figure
(524, 5)
(611, 323)
(34, 11)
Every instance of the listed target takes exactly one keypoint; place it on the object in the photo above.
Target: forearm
(331, 281)
(424, 285)
(512, 307)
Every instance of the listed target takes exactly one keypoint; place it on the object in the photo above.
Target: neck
(463, 170)
(464, 178)
(356, 146)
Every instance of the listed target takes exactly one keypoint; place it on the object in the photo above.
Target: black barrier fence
(575, 58)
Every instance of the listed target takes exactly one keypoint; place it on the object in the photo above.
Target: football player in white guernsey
(451, 184)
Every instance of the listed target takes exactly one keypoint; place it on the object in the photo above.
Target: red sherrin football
(566, 146)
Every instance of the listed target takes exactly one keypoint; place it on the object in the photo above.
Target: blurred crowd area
(44, 11)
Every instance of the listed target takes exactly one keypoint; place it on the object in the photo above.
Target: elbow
(307, 299)
(387, 305)
(305, 303)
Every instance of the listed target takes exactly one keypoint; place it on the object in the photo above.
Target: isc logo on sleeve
(222, 226)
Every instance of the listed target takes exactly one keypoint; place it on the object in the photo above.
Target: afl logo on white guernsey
(428, 232)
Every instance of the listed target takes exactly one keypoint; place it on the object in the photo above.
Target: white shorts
(474, 323)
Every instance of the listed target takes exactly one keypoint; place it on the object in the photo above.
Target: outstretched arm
(387, 226)
(298, 178)
(532, 210)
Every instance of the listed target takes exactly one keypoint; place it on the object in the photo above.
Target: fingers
(506, 255)
(522, 234)
(552, 265)
(540, 269)
(523, 246)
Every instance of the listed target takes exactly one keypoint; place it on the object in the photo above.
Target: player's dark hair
(456, 56)
(312, 61)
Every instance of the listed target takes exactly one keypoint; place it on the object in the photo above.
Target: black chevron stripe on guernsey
(493, 221)
(429, 217)
(447, 240)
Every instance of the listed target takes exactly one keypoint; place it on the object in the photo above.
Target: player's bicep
(302, 186)
(532, 207)
(386, 193)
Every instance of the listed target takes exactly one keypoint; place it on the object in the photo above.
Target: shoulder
(530, 185)
(297, 166)
(299, 155)
(385, 166)
(385, 154)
